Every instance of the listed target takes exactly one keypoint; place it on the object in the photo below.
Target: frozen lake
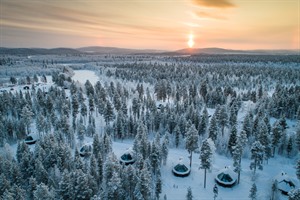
(83, 75)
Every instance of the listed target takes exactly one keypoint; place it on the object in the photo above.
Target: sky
(151, 24)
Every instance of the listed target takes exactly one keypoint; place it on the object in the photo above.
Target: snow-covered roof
(31, 139)
(86, 149)
(226, 177)
(284, 182)
(181, 169)
(127, 157)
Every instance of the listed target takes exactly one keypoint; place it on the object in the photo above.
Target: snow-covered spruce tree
(75, 106)
(155, 157)
(274, 195)
(66, 189)
(97, 146)
(145, 182)
(108, 112)
(265, 140)
(131, 180)
(191, 141)
(158, 185)
(115, 190)
(83, 189)
(222, 118)
(203, 123)
(177, 135)
(289, 147)
(232, 142)
(247, 124)
(205, 157)
(83, 111)
(18, 192)
(294, 194)
(27, 115)
(213, 129)
(298, 136)
(91, 105)
(276, 135)
(257, 155)
(253, 192)
(40, 123)
(42, 192)
(93, 172)
(298, 169)
(233, 114)
(165, 150)
(80, 131)
(238, 153)
(189, 195)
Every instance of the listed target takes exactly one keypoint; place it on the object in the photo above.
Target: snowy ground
(83, 75)
(175, 188)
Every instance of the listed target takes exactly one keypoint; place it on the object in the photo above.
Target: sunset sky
(151, 24)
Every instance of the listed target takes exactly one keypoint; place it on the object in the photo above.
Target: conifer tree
(298, 136)
(289, 147)
(238, 152)
(222, 118)
(42, 192)
(257, 155)
(108, 113)
(232, 139)
(213, 129)
(158, 185)
(27, 115)
(189, 195)
(165, 150)
(298, 169)
(276, 134)
(191, 143)
(177, 135)
(294, 194)
(253, 192)
(205, 158)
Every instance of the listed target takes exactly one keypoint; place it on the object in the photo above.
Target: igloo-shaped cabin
(226, 177)
(127, 158)
(285, 183)
(30, 139)
(180, 169)
(86, 150)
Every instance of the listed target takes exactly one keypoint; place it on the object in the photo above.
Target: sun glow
(191, 41)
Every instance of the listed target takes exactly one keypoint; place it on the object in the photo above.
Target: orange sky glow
(155, 24)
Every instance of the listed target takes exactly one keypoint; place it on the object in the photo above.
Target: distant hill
(194, 51)
(124, 51)
(115, 50)
(38, 51)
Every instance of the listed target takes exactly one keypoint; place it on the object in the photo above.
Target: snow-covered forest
(68, 124)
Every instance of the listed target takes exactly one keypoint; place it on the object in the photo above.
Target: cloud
(203, 14)
(214, 3)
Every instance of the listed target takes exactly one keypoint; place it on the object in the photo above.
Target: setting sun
(191, 41)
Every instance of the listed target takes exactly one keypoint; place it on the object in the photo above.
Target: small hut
(30, 139)
(285, 183)
(85, 150)
(127, 158)
(180, 169)
(226, 177)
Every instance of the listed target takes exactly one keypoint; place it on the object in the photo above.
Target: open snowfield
(83, 75)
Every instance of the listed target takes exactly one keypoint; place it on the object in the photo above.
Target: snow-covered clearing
(83, 75)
